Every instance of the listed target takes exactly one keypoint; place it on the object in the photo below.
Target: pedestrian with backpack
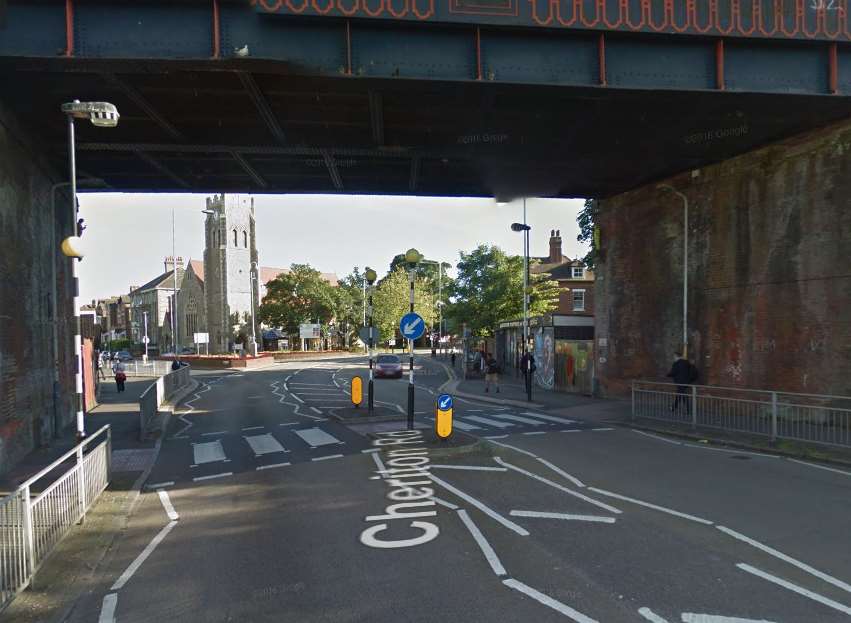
(120, 375)
(684, 373)
(491, 374)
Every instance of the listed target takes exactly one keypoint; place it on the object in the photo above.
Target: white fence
(812, 418)
(33, 521)
(160, 391)
(136, 367)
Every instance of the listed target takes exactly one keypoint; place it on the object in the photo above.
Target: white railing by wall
(154, 367)
(160, 391)
(813, 418)
(35, 517)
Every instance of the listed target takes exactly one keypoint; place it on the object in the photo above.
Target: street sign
(309, 331)
(412, 326)
(145, 339)
(363, 334)
(392, 341)
(201, 338)
(443, 419)
(357, 391)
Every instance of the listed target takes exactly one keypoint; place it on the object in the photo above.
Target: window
(244, 239)
(579, 300)
(577, 272)
(234, 238)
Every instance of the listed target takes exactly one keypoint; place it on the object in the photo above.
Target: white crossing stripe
(792, 587)
(549, 418)
(208, 452)
(316, 437)
(264, 444)
(565, 516)
(484, 420)
(516, 418)
(456, 423)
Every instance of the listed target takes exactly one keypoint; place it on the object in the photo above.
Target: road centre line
(671, 441)
(220, 432)
(602, 429)
(494, 437)
(107, 608)
(160, 485)
(478, 537)
(472, 468)
(443, 502)
(167, 505)
(222, 475)
(325, 458)
(565, 516)
(651, 616)
(829, 469)
(253, 427)
(536, 432)
(653, 506)
(555, 485)
(272, 466)
(571, 430)
(785, 558)
(486, 510)
(143, 556)
(548, 601)
(563, 473)
(795, 588)
(289, 423)
(516, 449)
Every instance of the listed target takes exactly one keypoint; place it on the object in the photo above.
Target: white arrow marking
(409, 328)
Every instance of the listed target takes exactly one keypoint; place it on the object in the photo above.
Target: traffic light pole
(370, 389)
(411, 366)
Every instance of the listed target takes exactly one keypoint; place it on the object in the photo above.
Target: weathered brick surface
(769, 271)
(29, 415)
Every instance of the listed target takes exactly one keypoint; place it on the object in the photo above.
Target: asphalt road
(263, 507)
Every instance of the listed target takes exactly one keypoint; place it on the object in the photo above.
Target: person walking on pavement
(492, 374)
(99, 365)
(453, 358)
(684, 373)
(120, 375)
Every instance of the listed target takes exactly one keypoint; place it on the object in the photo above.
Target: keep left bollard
(357, 391)
(443, 417)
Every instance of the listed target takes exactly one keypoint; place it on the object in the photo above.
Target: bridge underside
(236, 100)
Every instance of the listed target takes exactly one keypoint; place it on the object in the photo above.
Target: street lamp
(253, 279)
(412, 258)
(525, 229)
(440, 303)
(669, 188)
(102, 115)
(370, 276)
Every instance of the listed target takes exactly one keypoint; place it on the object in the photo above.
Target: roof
(267, 273)
(556, 269)
(165, 280)
(197, 267)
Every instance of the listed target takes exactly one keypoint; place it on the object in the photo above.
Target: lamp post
(443, 265)
(102, 115)
(525, 229)
(370, 276)
(669, 188)
(175, 340)
(412, 258)
(253, 279)
(145, 338)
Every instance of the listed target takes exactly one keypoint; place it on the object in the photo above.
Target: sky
(128, 236)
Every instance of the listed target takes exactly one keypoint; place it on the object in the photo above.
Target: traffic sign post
(371, 336)
(357, 391)
(443, 417)
(412, 326)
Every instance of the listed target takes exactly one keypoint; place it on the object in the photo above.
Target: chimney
(555, 247)
(168, 263)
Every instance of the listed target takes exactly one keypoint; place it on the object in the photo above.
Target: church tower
(230, 253)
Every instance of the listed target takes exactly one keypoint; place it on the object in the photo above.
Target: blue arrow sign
(412, 326)
(444, 402)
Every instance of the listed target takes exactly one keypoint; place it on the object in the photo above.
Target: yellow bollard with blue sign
(443, 417)
(357, 391)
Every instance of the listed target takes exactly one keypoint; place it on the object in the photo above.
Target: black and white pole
(411, 276)
(78, 340)
(527, 356)
(370, 277)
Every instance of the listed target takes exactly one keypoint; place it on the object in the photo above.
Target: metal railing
(813, 418)
(154, 367)
(33, 519)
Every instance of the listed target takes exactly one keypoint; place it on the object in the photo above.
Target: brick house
(576, 283)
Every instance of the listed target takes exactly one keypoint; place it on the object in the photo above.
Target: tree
(391, 301)
(587, 220)
(489, 290)
(349, 303)
(299, 296)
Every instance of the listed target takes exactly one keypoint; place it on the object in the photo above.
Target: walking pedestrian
(492, 374)
(99, 365)
(683, 372)
(120, 375)
(453, 358)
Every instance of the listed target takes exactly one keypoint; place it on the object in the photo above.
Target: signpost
(412, 326)
(364, 335)
(357, 391)
(443, 418)
(202, 338)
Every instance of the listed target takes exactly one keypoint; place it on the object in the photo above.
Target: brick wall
(32, 407)
(769, 271)
(565, 297)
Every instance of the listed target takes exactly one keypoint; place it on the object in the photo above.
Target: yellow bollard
(357, 391)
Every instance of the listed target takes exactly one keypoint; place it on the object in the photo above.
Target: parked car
(388, 366)
(123, 355)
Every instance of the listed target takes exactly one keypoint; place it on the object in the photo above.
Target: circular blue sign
(444, 402)
(412, 326)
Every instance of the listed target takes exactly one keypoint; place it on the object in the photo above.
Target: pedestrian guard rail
(140, 368)
(158, 393)
(38, 514)
(813, 418)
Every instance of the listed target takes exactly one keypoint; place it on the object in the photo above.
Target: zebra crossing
(484, 421)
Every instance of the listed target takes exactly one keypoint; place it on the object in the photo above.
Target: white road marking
(315, 437)
(299, 384)
(536, 432)
(795, 588)
(107, 608)
(516, 449)
(486, 510)
(690, 617)
(494, 436)
(649, 505)
(456, 423)
(315, 410)
(555, 485)
(651, 616)
(149, 548)
(289, 423)
(208, 452)
(253, 428)
(548, 601)
(561, 472)
(829, 469)
(378, 463)
(330, 456)
(472, 468)
(160, 485)
(264, 444)
(797, 563)
(765, 456)
(211, 477)
(219, 432)
(602, 429)
(297, 398)
(565, 516)
(549, 418)
(571, 430)
(657, 437)
(271, 466)
(167, 506)
(478, 537)
(517, 418)
(488, 421)
(368, 450)
(443, 502)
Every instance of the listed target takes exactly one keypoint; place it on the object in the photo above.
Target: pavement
(262, 506)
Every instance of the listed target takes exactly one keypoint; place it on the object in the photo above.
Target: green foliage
(119, 344)
(391, 301)
(300, 296)
(489, 290)
(587, 220)
(349, 304)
